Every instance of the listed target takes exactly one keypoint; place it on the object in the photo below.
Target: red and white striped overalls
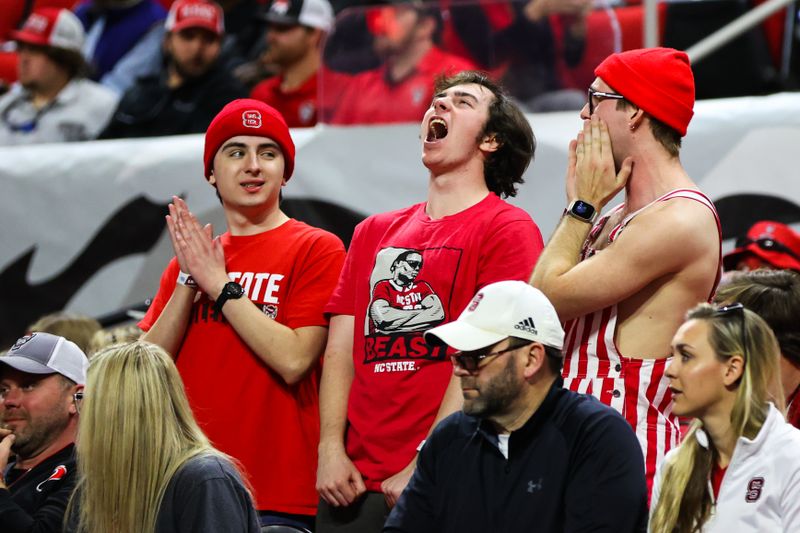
(636, 388)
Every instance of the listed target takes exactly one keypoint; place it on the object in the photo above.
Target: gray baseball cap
(43, 353)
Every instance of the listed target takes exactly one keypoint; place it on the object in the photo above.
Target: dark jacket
(36, 500)
(150, 108)
(575, 465)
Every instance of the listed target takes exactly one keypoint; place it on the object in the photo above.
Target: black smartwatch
(231, 291)
(583, 211)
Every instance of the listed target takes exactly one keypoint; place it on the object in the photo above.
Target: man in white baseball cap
(295, 31)
(53, 101)
(524, 452)
(41, 386)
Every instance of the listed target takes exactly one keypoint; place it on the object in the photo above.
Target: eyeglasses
(600, 96)
(768, 244)
(471, 361)
(729, 310)
(78, 397)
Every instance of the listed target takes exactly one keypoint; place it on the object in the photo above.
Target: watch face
(233, 289)
(582, 209)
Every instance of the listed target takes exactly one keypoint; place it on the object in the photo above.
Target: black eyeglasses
(727, 310)
(766, 243)
(78, 397)
(592, 94)
(471, 361)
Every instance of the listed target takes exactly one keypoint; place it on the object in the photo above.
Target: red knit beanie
(248, 117)
(658, 80)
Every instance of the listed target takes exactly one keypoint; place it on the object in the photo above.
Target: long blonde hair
(136, 431)
(684, 504)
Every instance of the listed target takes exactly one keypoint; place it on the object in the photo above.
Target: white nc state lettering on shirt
(259, 286)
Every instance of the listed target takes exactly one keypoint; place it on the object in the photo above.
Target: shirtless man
(623, 284)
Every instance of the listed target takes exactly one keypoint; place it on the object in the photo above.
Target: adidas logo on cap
(527, 325)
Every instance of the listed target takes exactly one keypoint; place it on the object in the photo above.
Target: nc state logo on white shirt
(754, 488)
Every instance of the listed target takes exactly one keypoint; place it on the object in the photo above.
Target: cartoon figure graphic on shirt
(401, 307)
(400, 303)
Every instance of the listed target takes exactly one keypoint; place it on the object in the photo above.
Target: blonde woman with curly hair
(738, 468)
(144, 464)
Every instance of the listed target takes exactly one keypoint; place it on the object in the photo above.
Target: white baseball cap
(44, 353)
(500, 310)
(50, 26)
(312, 13)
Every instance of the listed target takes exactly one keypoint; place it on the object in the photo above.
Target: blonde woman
(144, 464)
(738, 468)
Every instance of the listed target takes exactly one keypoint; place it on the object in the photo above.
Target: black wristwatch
(231, 291)
(583, 211)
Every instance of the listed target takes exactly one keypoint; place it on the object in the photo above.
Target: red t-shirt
(298, 107)
(245, 408)
(399, 380)
(370, 98)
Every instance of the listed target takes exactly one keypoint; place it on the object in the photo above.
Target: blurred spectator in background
(52, 101)
(117, 335)
(123, 37)
(524, 43)
(294, 38)
(79, 329)
(41, 382)
(534, 48)
(191, 88)
(768, 244)
(405, 36)
(244, 31)
(775, 296)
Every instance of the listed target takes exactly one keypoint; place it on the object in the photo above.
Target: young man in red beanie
(383, 388)
(624, 282)
(243, 313)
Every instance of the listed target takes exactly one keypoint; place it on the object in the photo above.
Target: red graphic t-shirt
(399, 379)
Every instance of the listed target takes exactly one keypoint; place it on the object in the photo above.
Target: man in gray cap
(53, 101)
(41, 386)
(525, 452)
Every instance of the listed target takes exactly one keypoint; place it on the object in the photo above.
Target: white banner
(83, 224)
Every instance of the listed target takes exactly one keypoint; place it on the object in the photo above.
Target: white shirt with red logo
(760, 492)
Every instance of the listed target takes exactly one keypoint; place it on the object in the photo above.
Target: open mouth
(437, 130)
(252, 184)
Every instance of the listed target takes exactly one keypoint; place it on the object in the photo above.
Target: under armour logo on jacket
(534, 486)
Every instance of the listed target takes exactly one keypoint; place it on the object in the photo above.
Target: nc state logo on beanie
(251, 119)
